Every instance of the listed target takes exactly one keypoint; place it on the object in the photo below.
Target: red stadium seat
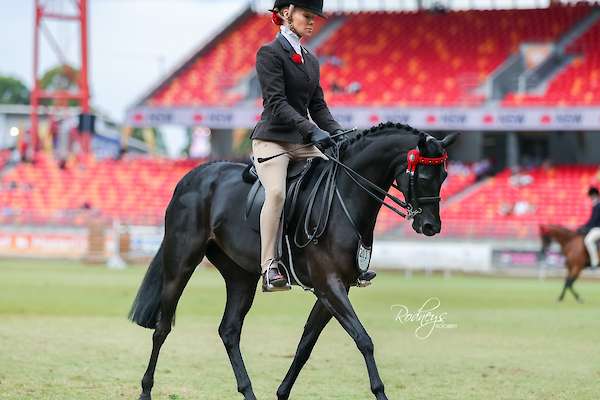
(136, 190)
(555, 195)
(421, 58)
(578, 84)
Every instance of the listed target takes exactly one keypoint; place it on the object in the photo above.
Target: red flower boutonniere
(297, 58)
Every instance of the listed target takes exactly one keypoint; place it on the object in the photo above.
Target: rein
(328, 180)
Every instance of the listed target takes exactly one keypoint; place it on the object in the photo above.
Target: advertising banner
(431, 119)
(71, 244)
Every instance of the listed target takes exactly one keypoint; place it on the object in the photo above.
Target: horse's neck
(377, 161)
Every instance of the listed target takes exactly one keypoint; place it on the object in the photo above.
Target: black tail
(145, 308)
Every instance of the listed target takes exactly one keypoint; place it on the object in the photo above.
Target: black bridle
(327, 179)
(414, 159)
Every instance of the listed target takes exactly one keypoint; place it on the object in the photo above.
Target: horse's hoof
(282, 396)
(145, 396)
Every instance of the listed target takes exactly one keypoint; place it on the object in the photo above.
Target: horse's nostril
(428, 229)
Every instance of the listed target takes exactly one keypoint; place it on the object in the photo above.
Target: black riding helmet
(315, 6)
(593, 191)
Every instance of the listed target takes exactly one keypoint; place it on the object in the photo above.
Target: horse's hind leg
(570, 286)
(564, 289)
(241, 288)
(317, 320)
(183, 248)
(568, 282)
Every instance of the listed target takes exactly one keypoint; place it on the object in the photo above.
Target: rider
(289, 80)
(591, 229)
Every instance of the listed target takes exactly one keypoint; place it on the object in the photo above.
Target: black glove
(339, 137)
(321, 139)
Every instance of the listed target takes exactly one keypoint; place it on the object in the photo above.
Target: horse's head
(422, 180)
(545, 238)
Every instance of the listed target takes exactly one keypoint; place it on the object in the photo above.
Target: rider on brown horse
(591, 229)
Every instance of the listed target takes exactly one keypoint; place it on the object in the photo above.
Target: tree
(60, 78)
(13, 91)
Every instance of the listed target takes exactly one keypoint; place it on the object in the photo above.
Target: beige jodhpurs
(590, 242)
(272, 175)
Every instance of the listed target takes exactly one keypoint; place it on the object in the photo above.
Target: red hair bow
(297, 58)
(277, 20)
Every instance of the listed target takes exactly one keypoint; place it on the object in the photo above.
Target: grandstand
(426, 58)
(437, 70)
(133, 190)
(526, 112)
(514, 205)
(578, 84)
(509, 205)
(433, 58)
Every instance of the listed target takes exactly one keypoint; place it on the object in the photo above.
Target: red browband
(414, 158)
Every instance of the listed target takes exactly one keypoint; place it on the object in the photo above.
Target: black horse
(204, 218)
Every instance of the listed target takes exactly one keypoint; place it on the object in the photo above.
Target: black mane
(377, 129)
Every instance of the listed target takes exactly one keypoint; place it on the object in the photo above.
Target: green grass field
(64, 335)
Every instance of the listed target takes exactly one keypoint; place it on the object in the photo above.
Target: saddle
(312, 218)
(297, 173)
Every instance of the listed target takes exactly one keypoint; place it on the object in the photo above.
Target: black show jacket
(290, 91)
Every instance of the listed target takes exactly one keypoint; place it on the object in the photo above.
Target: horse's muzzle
(429, 229)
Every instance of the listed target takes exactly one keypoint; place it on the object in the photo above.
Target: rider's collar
(292, 38)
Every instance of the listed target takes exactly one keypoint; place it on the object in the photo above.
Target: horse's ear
(543, 229)
(422, 140)
(449, 139)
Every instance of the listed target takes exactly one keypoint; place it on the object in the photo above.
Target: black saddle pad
(297, 172)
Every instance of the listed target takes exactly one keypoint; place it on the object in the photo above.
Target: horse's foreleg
(334, 297)
(317, 320)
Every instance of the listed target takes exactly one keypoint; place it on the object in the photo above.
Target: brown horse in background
(572, 247)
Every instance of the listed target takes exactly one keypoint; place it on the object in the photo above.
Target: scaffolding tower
(52, 10)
